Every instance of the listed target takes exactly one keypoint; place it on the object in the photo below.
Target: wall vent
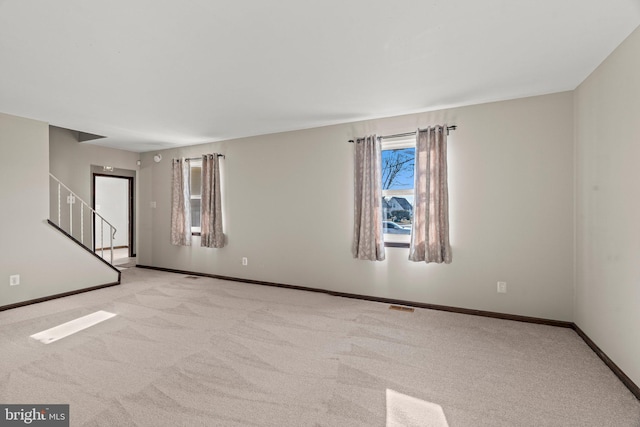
(401, 308)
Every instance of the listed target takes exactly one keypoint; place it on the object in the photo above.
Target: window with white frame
(195, 187)
(398, 162)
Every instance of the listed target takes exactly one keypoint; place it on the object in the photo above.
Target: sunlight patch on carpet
(408, 411)
(69, 328)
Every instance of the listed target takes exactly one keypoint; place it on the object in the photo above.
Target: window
(195, 187)
(398, 161)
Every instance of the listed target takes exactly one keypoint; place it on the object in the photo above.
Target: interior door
(113, 200)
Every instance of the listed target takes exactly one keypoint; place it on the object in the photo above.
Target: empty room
(355, 213)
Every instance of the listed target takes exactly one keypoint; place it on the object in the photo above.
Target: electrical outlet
(14, 280)
(71, 199)
(502, 287)
(245, 261)
(153, 205)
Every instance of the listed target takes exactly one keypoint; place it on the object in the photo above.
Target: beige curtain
(180, 203)
(430, 229)
(211, 211)
(367, 225)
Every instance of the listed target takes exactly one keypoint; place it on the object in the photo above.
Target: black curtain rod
(200, 158)
(398, 135)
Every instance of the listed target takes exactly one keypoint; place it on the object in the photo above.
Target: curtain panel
(430, 229)
(211, 207)
(368, 243)
(180, 203)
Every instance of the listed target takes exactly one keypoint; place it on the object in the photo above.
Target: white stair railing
(71, 198)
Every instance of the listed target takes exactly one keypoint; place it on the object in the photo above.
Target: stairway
(75, 218)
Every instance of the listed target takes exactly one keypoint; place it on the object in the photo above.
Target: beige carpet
(184, 352)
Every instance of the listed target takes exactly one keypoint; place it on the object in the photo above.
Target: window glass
(195, 187)
(397, 168)
(398, 161)
(196, 179)
(195, 215)
(398, 209)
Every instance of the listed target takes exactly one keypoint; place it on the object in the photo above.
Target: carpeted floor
(205, 352)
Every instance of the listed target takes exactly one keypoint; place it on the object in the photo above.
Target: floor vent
(191, 277)
(401, 308)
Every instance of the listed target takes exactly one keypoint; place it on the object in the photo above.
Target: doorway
(113, 199)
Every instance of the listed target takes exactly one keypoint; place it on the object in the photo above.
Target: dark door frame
(131, 207)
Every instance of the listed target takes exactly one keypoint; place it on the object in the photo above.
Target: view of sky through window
(397, 169)
(397, 186)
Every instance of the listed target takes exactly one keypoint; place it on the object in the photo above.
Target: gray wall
(73, 163)
(48, 262)
(288, 203)
(607, 302)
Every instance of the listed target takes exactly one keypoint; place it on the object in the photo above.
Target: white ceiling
(152, 74)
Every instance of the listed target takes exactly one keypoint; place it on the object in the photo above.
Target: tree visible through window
(398, 161)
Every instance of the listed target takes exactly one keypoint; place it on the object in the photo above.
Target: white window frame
(401, 240)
